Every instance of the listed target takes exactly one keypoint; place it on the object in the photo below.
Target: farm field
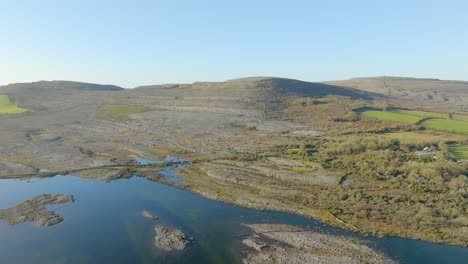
(8, 106)
(446, 124)
(434, 120)
(390, 115)
(459, 151)
(420, 113)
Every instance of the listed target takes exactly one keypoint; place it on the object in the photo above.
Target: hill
(54, 95)
(59, 85)
(452, 95)
(257, 87)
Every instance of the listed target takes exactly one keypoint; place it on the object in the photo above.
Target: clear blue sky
(132, 43)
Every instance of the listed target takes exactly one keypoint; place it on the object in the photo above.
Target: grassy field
(459, 151)
(119, 112)
(437, 121)
(446, 124)
(9, 106)
(419, 113)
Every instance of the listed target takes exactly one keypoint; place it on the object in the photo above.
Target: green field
(419, 113)
(459, 151)
(438, 121)
(447, 125)
(9, 106)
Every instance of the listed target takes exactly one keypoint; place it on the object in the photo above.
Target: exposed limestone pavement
(33, 210)
(276, 243)
(170, 239)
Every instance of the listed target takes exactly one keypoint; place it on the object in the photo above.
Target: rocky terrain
(170, 239)
(276, 243)
(33, 210)
(67, 127)
(437, 94)
(267, 143)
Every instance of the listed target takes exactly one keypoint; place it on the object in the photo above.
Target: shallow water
(104, 225)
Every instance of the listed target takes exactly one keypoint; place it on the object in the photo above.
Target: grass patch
(459, 151)
(457, 123)
(419, 113)
(459, 117)
(9, 106)
(120, 112)
(447, 125)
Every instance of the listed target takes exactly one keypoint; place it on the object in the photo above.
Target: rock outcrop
(276, 243)
(33, 210)
(170, 239)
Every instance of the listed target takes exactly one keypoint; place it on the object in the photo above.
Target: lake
(104, 225)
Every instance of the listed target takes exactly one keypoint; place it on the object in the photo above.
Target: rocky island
(33, 210)
(169, 239)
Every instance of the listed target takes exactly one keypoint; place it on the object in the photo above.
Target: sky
(132, 43)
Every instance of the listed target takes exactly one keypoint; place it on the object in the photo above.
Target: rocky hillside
(256, 87)
(451, 94)
(58, 86)
(56, 95)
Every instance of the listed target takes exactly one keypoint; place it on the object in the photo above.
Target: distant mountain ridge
(271, 88)
(382, 84)
(267, 87)
(271, 94)
(62, 85)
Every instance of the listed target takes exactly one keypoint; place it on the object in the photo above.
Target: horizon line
(234, 79)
